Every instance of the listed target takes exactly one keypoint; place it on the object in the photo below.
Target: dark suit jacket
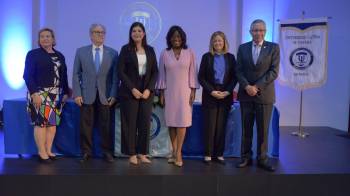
(262, 74)
(39, 71)
(206, 78)
(128, 71)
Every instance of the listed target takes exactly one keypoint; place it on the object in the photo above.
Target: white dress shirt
(256, 51)
(142, 60)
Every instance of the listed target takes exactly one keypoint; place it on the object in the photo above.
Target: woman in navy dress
(45, 75)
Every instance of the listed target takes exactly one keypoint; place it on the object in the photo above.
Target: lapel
(250, 53)
(104, 58)
(263, 53)
(227, 66)
(211, 66)
(91, 58)
(148, 58)
(135, 62)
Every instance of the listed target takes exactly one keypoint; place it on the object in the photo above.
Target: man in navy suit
(257, 68)
(95, 86)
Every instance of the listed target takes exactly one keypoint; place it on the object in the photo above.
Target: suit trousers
(215, 119)
(89, 114)
(135, 117)
(214, 125)
(251, 111)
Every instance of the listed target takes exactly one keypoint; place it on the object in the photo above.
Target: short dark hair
(256, 22)
(171, 32)
(131, 41)
(94, 25)
(52, 35)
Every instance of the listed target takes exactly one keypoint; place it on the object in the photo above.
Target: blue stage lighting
(15, 40)
(16, 43)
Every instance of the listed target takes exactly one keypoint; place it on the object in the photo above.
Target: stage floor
(317, 165)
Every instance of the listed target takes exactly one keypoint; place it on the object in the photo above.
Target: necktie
(97, 58)
(255, 53)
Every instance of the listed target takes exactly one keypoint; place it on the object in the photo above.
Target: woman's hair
(211, 44)
(131, 41)
(52, 35)
(171, 32)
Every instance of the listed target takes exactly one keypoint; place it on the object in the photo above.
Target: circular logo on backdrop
(155, 126)
(145, 13)
(301, 58)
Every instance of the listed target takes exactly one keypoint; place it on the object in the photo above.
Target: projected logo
(301, 58)
(145, 13)
(155, 126)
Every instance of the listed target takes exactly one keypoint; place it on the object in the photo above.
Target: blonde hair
(211, 44)
(52, 35)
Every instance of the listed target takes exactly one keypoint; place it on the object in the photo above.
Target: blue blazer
(39, 71)
(86, 80)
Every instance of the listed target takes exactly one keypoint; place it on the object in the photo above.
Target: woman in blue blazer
(217, 77)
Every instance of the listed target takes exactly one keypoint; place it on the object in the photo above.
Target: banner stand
(301, 133)
(302, 57)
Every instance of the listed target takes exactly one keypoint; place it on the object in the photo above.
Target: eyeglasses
(99, 32)
(258, 30)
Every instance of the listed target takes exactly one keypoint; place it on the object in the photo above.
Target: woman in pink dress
(177, 83)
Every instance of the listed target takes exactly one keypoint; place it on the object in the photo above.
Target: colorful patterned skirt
(49, 113)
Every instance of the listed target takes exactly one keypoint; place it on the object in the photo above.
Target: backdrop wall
(325, 106)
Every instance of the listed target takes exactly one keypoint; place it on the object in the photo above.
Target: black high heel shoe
(45, 161)
(53, 158)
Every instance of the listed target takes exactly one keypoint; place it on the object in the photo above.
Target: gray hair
(256, 22)
(93, 26)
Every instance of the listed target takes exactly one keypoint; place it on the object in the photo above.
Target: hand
(111, 101)
(145, 94)
(161, 98)
(192, 96)
(36, 100)
(251, 90)
(224, 94)
(257, 90)
(64, 98)
(216, 94)
(79, 101)
(136, 93)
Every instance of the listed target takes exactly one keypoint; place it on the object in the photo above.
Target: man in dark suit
(95, 90)
(257, 68)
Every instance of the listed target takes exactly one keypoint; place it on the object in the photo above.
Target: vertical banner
(304, 45)
(159, 135)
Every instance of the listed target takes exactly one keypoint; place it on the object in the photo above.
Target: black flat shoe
(266, 167)
(244, 163)
(222, 162)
